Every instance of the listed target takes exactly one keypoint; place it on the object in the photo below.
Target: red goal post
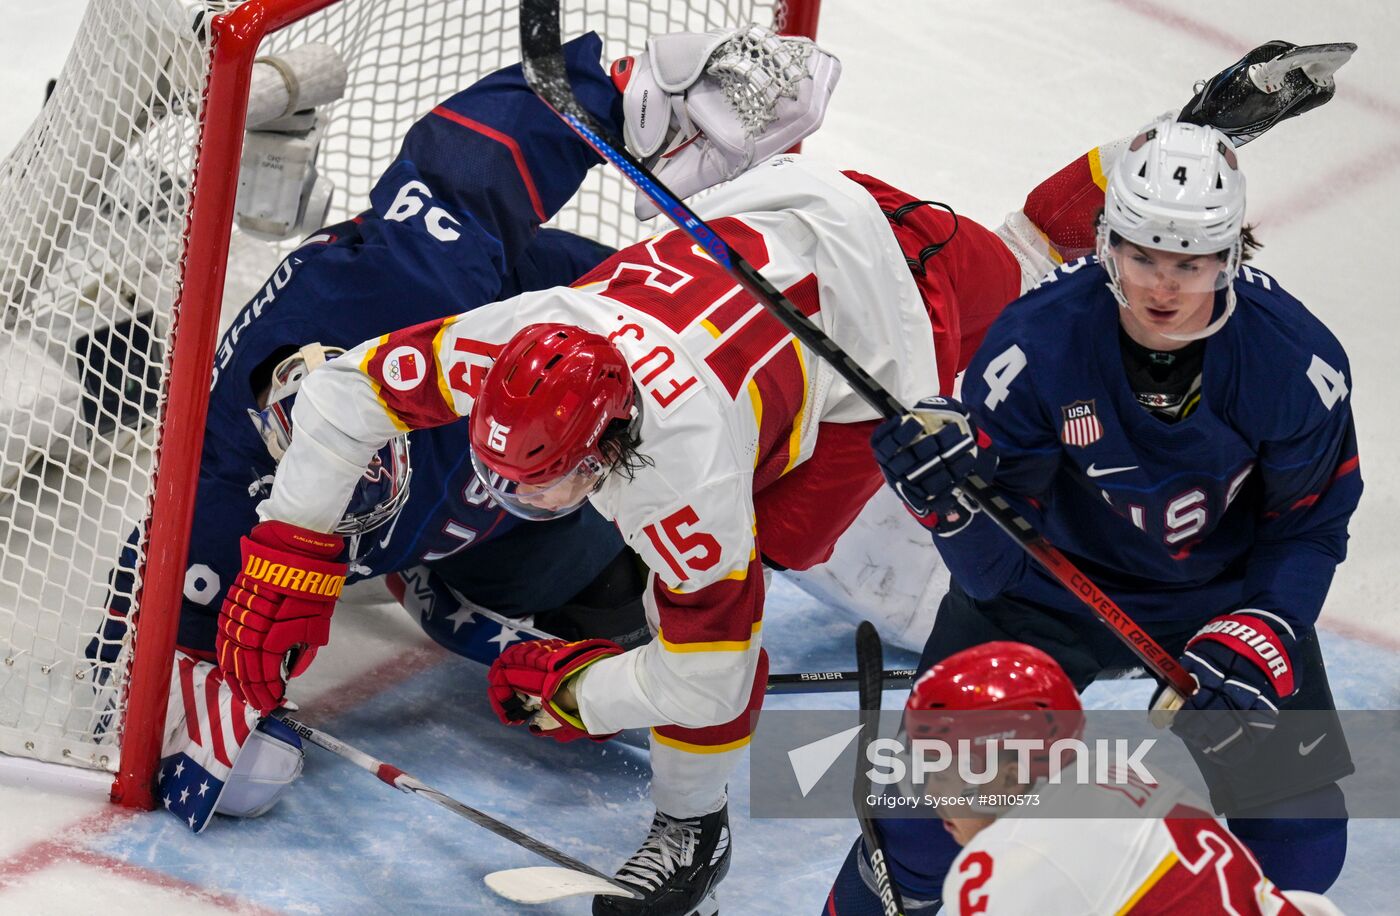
(147, 118)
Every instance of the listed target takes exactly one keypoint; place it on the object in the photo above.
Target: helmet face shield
(543, 501)
(1147, 271)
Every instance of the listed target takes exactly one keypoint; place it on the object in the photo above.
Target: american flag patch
(1081, 426)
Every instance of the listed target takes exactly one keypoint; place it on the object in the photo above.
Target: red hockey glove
(523, 682)
(282, 600)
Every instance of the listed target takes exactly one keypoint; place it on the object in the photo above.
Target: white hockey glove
(701, 108)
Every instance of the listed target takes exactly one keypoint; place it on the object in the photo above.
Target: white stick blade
(545, 883)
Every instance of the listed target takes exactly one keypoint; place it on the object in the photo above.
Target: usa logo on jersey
(1081, 424)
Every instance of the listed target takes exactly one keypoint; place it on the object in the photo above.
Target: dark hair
(1248, 243)
(621, 442)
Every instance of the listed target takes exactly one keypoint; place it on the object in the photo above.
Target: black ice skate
(1276, 81)
(676, 870)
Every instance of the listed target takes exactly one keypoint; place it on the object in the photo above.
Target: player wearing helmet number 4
(1180, 426)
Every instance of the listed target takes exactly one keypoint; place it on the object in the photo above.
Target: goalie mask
(1178, 189)
(383, 488)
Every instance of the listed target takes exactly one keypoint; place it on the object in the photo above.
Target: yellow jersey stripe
(1096, 169)
(719, 645)
(400, 425)
(757, 400)
(441, 375)
(795, 440)
(689, 748)
(1162, 868)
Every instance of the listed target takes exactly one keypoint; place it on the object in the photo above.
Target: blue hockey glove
(1244, 664)
(926, 469)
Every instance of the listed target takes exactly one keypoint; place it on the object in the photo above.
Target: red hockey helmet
(996, 690)
(543, 407)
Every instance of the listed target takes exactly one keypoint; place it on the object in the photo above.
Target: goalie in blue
(1181, 428)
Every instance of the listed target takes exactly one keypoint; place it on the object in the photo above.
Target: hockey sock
(920, 852)
(1298, 853)
(1065, 206)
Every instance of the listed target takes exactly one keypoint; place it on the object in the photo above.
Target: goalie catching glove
(280, 603)
(1243, 663)
(702, 108)
(525, 685)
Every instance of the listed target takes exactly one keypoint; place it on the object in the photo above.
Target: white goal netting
(93, 209)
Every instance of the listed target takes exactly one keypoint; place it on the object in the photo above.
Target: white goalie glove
(701, 108)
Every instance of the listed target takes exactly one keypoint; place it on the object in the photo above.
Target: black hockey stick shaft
(393, 776)
(793, 682)
(869, 664)
(834, 681)
(546, 74)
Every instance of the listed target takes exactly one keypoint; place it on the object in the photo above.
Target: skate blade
(545, 884)
(1317, 63)
(708, 907)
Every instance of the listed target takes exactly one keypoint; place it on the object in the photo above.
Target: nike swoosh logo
(1100, 472)
(1306, 749)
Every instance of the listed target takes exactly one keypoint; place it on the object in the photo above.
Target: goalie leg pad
(206, 729)
(270, 762)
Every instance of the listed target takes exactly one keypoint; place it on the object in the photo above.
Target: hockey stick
(596, 881)
(832, 681)
(545, 73)
(793, 682)
(869, 661)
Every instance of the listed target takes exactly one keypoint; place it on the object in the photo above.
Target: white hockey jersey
(1153, 853)
(730, 405)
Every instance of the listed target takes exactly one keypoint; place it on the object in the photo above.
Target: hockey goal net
(116, 226)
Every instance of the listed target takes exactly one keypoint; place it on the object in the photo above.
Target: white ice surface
(969, 103)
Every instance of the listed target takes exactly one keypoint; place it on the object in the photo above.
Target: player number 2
(970, 903)
(1001, 372)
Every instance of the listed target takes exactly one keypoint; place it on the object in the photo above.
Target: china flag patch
(1081, 426)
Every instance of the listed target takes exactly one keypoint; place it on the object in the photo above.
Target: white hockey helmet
(1178, 187)
(382, 490)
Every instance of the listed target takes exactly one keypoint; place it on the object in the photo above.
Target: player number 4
(1330, 383)
(1001, 372)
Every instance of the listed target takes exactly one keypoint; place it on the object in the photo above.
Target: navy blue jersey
(1244, 503)
(454, 224)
